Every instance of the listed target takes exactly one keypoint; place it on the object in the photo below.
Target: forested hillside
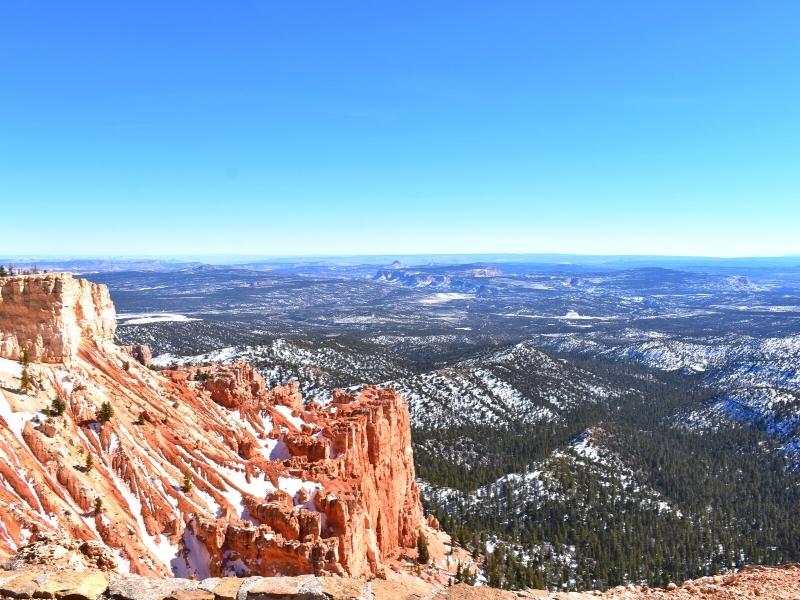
(613, 492)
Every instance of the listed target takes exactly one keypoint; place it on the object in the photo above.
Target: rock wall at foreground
(39, 581)
(50, 315)
(197, 473)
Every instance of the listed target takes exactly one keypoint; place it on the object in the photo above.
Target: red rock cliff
(50, 315)
(198, 472)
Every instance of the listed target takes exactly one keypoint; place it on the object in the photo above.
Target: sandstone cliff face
(352, 500)
(50, 315)
(196, 474)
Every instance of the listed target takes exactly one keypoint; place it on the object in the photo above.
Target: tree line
(11, 270)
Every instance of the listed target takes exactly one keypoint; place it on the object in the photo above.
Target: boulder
(134, 587)
(87, 585)
(223, 588)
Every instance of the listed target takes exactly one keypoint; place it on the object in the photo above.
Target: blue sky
(399, 127)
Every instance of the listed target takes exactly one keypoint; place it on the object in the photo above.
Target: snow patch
(145, 318)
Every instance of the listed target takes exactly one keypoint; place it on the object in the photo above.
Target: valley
(574, 426)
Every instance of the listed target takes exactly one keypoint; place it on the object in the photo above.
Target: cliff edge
(50, 315)
(192, 474)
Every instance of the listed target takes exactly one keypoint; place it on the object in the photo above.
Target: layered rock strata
(51, 315)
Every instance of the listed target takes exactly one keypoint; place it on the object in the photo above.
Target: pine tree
(187, 482)
(423, 556)
(25, 378)
(89, 462)
(106, 412)
(98, 505)
(57, 407)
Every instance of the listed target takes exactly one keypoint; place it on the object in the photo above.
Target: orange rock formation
(50, 314)
(192, 475)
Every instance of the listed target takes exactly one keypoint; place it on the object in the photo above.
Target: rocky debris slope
(50, 315)
(196, 473)
(774, 583)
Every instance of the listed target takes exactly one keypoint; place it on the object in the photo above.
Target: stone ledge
(98, 585)
(29, 584)
(58, 585)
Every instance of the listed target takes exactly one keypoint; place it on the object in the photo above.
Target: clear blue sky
(338, 127)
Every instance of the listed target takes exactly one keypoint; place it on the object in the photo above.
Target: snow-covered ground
(145, 318)
(442, 297)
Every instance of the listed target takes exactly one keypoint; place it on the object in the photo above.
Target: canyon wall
(51, 314)
(194, 473)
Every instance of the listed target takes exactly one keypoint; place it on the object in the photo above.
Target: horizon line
(256, 256)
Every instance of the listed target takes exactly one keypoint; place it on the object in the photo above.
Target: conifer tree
(25, 377)
(423, 556)
(57, 407)
(106, 412)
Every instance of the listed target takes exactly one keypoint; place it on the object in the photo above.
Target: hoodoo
(191, 473)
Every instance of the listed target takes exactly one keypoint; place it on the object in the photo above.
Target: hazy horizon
(387, 259)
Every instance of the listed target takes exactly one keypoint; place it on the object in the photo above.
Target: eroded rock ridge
(194, 473)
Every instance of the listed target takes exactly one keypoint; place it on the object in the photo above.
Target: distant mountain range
(153, 263)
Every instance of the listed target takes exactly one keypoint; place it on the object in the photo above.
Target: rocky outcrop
(194, 473)
(50, 315)
(140, 353)
(64, 585)
(371, 438)
(54, 553)
(353, 500)
(234, 386)
(773, 583)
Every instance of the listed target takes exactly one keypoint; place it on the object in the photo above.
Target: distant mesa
(574, 282)
(742, 282)
(485, 272)
(465, 281)
(397, 265)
